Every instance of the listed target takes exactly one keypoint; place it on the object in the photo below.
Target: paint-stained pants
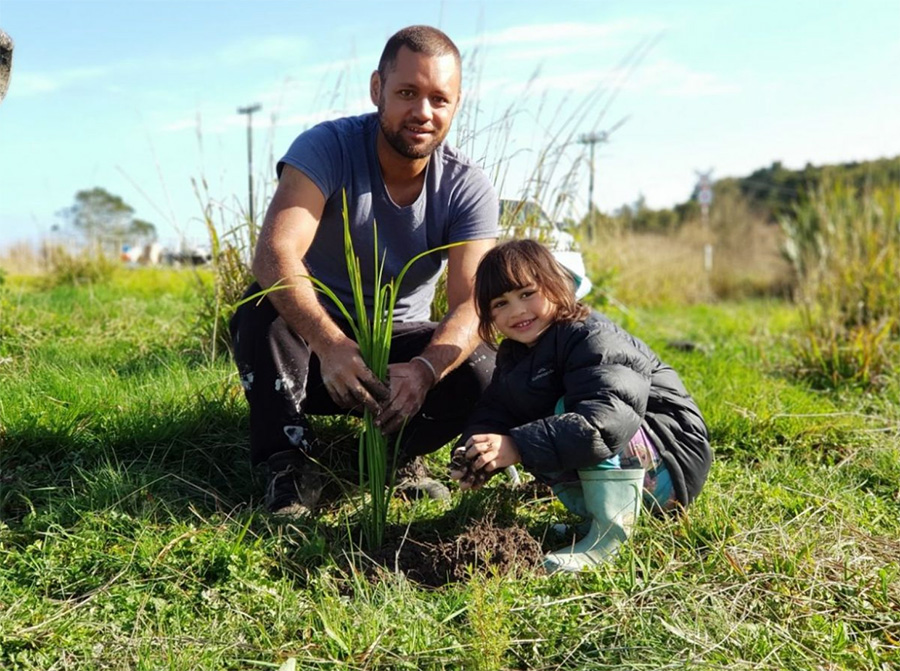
(283, 384)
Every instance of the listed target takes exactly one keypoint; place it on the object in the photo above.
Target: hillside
(767, 192)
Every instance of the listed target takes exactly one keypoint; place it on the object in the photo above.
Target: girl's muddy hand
(492, 452)
(459, 465)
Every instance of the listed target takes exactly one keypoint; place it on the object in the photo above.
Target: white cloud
(180, 124)
(674, 79)
(661, 77)
(572, 57)
(342, 65)
(290, 111)
(544, 53)
(38, 83)
(305, 120)
(569, 32)
(28, 84)
(277, 48)
(211, 124)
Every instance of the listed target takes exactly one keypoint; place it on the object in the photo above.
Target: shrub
(844, 246)
(232, 245)
(65, 268)
(829, 355)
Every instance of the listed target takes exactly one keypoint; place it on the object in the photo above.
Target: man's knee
(480, 366)
(462, 388)
(250, 321)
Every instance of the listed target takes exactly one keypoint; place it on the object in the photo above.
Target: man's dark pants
(283, 383)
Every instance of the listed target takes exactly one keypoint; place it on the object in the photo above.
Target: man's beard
(404, 148)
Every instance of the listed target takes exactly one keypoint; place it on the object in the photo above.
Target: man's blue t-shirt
(457, 203)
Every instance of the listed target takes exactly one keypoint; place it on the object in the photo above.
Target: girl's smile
(522, 314)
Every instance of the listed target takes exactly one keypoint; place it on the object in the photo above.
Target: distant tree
(776, 190)
(143, 230)
(767, 193)
(98, 213)
(101, 217)
(640, 217)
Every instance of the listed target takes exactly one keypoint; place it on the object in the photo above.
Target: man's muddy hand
(350, 383)
(409, 384)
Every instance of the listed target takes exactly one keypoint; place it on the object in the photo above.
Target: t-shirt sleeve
(313, 153)
(476, 210)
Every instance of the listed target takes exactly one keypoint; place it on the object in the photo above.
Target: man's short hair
(419, 39)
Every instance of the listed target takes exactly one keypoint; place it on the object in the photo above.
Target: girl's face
(522, 314)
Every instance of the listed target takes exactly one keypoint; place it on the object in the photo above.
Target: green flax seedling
(374, 338)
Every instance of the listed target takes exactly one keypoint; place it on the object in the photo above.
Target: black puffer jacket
(612, 383)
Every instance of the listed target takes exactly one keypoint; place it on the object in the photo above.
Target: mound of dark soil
(483, 546)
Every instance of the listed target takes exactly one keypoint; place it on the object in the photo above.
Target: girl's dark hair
(516, 264)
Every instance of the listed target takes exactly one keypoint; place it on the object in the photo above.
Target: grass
(132, 535)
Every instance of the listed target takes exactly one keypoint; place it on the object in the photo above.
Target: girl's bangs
(511, 274)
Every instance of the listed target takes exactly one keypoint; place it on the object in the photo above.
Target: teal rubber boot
(571, 496)
(613, 500)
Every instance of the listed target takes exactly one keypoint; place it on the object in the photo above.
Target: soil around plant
(484, 539)
(482, 536)
(484, 546)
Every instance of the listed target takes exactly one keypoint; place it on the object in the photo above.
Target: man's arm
(287, 232)
(457, 335)
(453, 341)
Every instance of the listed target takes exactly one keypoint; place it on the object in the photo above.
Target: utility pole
(592, 139)
(249, 110)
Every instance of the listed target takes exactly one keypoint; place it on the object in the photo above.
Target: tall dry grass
(22, 258)
(673, 267)
(844, 247)
(232, 237)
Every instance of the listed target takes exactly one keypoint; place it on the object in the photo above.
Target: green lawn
(132, 535)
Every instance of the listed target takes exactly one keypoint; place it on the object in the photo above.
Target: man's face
(416, 101)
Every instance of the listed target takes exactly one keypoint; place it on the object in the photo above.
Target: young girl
(584, 406)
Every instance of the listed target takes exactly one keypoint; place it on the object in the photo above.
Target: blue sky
(140, 97)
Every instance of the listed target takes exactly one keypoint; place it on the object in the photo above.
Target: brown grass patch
(664, 269)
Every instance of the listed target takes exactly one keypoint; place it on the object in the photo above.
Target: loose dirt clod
(474, 478)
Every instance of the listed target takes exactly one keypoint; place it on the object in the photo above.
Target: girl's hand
(461, 469)
(492, 451)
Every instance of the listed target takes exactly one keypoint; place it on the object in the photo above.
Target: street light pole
(249, 110)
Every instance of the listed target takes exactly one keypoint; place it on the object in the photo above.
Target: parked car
(187, 256)
(526, 219)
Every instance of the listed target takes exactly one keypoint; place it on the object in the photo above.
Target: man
(295, 354)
